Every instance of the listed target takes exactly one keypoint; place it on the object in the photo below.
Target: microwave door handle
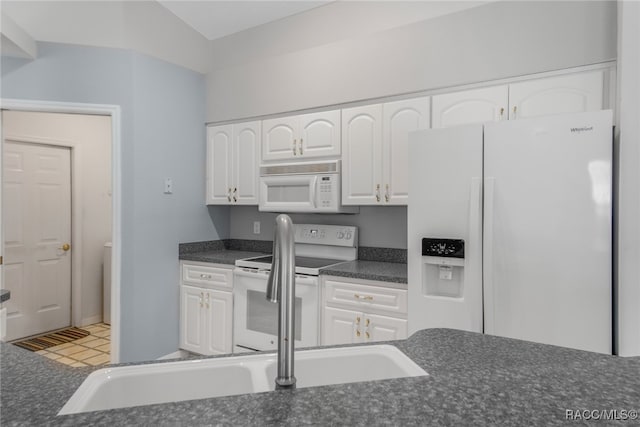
(314, 187)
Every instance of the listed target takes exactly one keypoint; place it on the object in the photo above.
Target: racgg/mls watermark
(600, 414)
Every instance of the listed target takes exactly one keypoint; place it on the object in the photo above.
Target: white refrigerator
(510, 229)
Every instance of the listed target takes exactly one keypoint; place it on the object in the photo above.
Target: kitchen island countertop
(473, 379)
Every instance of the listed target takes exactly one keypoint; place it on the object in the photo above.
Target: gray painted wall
(162, 136)
(493, 41)
(379, 226)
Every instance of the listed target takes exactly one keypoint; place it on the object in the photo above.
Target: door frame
(114, 112)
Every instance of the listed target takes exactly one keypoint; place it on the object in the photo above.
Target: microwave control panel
(327, 191)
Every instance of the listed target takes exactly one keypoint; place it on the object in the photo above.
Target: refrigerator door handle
(473, 261)
(488, 285)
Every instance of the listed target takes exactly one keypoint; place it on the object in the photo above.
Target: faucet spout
(281, 290)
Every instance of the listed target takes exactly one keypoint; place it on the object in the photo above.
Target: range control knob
(348, 235)
(340, 235)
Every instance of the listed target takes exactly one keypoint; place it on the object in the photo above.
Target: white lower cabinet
(359, 311)
(206, 314)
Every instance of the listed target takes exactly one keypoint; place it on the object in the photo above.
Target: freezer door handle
(489, 321)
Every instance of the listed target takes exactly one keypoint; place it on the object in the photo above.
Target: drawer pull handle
(368, 321)
(357, 320)
(367, 335)
(363, 297)
(205, 276)
(357, 333)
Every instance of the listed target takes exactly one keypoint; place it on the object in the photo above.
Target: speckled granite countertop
(394, 272)
(474, 379)
(222, 256)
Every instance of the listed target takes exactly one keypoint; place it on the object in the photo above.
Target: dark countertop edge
(229, 256)
(475, 378)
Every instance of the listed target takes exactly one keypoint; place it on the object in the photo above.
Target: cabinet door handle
(366, 334)
(206, 303)
(501, 113)
(367, 322)
(229, 194)
(300, 149)
(377, 192)
(515, 110)
(235, 194)
(201, 298)
(205, 276)
(386, 193)
(358, 320)
(363, 297)
(358, 333)
(294, 148)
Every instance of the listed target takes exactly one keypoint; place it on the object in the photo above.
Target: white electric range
(255, 318)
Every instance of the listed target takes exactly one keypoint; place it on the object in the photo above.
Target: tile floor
(92, 350)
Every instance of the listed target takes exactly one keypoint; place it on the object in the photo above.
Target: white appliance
(302, 187)
(509, 229)
(255, 320)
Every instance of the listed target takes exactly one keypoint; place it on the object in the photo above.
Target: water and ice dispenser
(443, 267)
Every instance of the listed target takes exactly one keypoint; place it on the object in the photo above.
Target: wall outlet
(256, 227)
(168, 186)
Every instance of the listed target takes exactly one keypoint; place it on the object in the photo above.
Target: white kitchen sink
(127, 386)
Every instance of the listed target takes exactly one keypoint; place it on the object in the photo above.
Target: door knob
(65, 247)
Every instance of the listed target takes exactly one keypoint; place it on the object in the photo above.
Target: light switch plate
(168, 186)
(256, 227)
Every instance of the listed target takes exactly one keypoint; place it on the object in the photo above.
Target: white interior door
(37, 215)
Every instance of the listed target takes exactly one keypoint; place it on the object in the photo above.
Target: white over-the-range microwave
(302, 187)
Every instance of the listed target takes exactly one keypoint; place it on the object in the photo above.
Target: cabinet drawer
(370, 299)
(206, 276)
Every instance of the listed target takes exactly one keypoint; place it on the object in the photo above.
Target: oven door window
(262, 315)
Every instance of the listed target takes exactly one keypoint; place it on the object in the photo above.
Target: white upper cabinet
(232, 164)
(246, 150)
(375, 155)
(573, 93)
(320, 134)
(400, 118)
(219, 154)
(301, 137)
(488, 104)
(279, 137)
(362, 155)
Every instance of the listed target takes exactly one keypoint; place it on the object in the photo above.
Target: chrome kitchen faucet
(281, 289)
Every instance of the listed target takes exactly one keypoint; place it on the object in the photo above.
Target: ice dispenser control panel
(450, 248)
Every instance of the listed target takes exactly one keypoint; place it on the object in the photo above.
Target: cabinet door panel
(191, 321)
(470, 106)
(564, 94)
(218, 318)
(400, 118)
(219, 161)
(341, 326)
(361, 158)
(246, 139)
(319, 134)
(384, 328)
(278, 137)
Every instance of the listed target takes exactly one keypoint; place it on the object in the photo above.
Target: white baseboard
(90, 320)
